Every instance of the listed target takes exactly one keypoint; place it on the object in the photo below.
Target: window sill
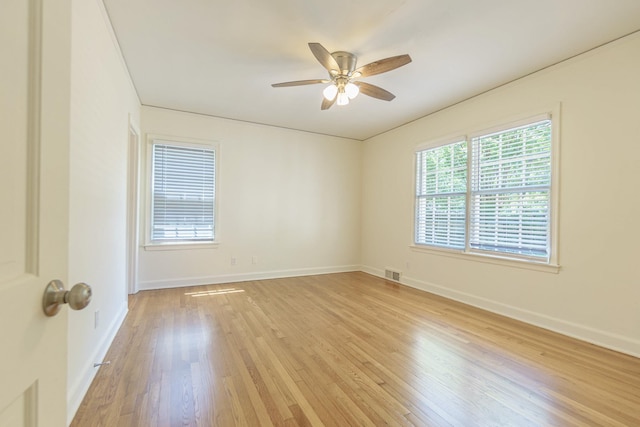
(488, 259)
(179, 246)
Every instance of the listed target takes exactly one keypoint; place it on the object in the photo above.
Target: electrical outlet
(233, 260)
(254, 260)
(96, 319)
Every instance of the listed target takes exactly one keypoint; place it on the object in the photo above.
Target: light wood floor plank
(347, 349)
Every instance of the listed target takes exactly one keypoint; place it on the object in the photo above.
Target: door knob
(55, 295)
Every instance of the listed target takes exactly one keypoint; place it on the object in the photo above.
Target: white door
(34, 153)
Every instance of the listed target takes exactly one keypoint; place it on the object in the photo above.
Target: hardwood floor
(348, 350)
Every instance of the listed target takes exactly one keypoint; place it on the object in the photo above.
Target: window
(182, 192)
(503, 208)
(440, 197)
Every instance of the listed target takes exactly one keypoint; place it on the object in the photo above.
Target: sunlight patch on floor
(213, 292)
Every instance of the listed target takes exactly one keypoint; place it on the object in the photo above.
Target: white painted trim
(77, 391)
(180, 246)
(133, 205)
(243, 277)
(616, 342)
(488, 259)
(513, 124)
(439, 142)
(554, 205)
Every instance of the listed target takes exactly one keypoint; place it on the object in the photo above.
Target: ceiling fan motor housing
(346, 61)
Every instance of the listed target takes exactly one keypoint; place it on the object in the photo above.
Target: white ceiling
(220, 57)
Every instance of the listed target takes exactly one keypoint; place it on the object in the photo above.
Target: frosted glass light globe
(343, 98)
(351, 90)
(330, 92)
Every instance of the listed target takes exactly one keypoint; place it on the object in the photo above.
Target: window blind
(183, 193)
(510, 190)
(441, 186)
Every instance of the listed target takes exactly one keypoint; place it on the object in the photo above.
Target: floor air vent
(392, 275)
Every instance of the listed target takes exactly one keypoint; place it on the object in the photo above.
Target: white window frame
(436, 195)
(151, 245)
(532, 263)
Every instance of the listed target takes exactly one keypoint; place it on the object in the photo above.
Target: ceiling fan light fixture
(342, 70)
(343, 98)
(330, 92)
(351, 90)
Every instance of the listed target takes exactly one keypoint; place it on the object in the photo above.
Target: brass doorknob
(55, 295)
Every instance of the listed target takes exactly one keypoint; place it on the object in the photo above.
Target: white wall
(288, 199)
(596, 294)
(102, 99)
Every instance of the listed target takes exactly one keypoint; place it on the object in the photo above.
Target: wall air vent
(392, 275)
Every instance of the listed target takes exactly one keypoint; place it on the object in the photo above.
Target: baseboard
(598, 337)
(78, 390)
(243, 277)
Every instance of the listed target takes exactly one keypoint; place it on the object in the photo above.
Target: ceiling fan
(343, 74)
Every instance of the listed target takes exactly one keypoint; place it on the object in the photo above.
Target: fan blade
(374, 91)
(324, 57)
(326, 104)
(382, 66)
(300, 83)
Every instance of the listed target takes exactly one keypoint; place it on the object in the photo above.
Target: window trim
(150, 245)
(487, 258)
(552, 264)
